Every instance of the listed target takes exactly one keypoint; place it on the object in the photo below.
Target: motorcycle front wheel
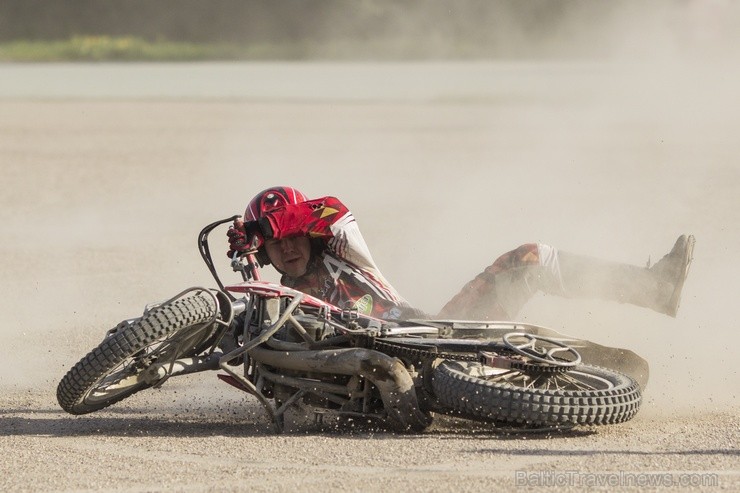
(582, 395)
(113, 371)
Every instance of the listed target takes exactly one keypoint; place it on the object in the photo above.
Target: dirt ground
(102, 199)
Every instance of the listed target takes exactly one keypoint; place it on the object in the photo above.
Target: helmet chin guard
(269, 200)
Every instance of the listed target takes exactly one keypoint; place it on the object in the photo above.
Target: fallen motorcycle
(291, 350)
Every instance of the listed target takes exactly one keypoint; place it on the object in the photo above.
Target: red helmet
(271, 199)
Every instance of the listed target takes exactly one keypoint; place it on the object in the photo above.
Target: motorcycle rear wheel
(584, 395)
(112, 371)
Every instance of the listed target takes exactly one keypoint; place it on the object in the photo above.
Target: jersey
(343, 271)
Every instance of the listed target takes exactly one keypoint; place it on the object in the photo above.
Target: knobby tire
(474, 397)
(165, 327)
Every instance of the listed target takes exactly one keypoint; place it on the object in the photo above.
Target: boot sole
(675, 300)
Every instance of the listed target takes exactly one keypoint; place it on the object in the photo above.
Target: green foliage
(129, 48)
(106, 48)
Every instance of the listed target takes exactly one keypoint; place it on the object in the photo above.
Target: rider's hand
(244, 237)
(237, 238)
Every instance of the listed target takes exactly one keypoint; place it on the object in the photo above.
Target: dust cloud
(102, 199)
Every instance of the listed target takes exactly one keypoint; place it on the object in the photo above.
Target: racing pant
(502, 289)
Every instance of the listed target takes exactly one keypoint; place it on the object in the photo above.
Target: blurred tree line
(349, 28)
(250, 20)
(437, 25)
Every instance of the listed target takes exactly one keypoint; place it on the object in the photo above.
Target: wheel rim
(123, 379)
(129, 375)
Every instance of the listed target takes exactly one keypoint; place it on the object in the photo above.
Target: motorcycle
(293, 351)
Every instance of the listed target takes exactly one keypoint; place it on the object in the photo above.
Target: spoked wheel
(548, 396)
(116, 368)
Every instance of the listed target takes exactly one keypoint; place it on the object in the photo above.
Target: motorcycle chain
(424, 355)
(401, 351)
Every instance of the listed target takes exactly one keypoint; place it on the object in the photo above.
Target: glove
(244, 237)
(237, 239)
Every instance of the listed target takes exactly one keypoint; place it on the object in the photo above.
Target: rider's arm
(329, 219)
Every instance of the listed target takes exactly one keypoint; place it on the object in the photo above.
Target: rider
(317, 247)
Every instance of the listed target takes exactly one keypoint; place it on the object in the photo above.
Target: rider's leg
(501, 290)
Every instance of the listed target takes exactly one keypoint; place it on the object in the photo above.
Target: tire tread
(159, 323)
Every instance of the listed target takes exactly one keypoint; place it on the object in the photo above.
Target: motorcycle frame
(263, 358)
(265, 299)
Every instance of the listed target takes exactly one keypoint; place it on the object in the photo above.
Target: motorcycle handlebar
(248, 270)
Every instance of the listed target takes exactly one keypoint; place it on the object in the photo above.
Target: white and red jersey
(342, 273)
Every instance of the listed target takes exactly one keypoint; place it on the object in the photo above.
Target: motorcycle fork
(270, 320)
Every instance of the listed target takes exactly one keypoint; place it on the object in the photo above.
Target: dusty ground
(102, 200)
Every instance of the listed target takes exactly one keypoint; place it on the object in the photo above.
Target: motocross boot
(657, 288)
(673, 269)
